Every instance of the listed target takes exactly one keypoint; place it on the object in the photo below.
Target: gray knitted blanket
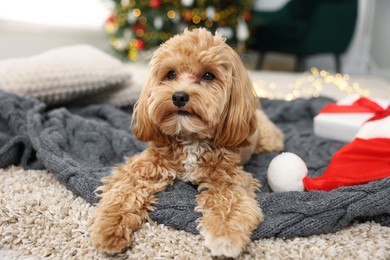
(79, 145)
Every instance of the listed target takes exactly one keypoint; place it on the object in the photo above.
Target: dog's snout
(180, 98)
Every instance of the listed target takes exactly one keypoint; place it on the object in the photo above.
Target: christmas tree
(140, 25)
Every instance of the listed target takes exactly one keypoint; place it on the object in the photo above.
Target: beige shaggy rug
(39, 219)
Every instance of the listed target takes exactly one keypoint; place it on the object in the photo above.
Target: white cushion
(63, 74)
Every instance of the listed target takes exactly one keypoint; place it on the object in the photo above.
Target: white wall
(29, 27)
(19, 39)
(380, 47)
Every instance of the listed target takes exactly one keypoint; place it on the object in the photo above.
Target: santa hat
(365, 159)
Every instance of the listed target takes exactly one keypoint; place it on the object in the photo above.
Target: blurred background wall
(29, 27)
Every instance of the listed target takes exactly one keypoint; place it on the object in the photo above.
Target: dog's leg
(269, 137)
(230, 212)
(125, 199)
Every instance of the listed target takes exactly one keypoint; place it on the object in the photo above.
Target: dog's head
(198, 89)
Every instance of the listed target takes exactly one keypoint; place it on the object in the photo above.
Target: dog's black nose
(180, 98)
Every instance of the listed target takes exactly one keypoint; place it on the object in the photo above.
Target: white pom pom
(286, 172)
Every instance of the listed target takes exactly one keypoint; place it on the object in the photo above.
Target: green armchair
(303, 28)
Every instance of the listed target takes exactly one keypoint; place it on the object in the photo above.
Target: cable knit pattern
(79, 145)
(63, 74)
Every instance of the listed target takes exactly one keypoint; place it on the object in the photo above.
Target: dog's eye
(171, 74)
(208, 76)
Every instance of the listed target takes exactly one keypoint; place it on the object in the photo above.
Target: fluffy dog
(200, 114)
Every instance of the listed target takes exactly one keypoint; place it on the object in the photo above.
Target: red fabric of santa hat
(365, 159)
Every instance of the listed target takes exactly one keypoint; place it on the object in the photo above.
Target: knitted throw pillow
(63, 74)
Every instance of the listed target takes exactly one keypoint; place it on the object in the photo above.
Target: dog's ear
(239, 116)
(141, 124)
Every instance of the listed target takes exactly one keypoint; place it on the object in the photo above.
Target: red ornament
(155, 4)
(139, 29)
(137, 44)
(111, 18)
(187, 16)
(140, 44)
(247, 16)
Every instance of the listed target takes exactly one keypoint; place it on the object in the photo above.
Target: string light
(310, 86)
(136, 12)
(171, 14)
(196, 19)
(209, 23)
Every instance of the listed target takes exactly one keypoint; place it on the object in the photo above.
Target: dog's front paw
(110, 243)
(228, 245)
(111, 235)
